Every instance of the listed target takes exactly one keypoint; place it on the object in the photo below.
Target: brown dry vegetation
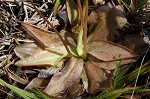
(75, 49)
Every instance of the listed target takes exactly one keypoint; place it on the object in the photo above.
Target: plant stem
(80, 10)
(83, 18)
(85, 13)
(49, 24)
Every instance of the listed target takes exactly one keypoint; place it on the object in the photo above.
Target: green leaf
(80, 43)
(74, 51)
(22, 93)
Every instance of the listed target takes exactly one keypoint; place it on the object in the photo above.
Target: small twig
(9, 94)
(52, 28)
(3, 33)
(33, 16)
(26, 13)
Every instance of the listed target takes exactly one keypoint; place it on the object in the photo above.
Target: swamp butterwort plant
(88, 58)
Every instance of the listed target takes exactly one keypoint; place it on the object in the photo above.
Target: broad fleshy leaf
(108, 51)
(38, 56)
(45, 38)
(64, 79)
(42, 58)
(32, 55)
(110, 65)
(25, 50)
(99, 78)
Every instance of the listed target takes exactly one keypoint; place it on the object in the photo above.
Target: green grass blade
(132, 76)
(139, 90)
(119, 76)
(40, 94)
(22, 93)
(117, 92)
(114, 96)
(116, 69)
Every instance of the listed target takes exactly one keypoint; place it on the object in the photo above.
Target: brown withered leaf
(69, 37)
(134, 42)
(110, 65)
(108, 51)
(64, 79)
(104, 20)
(99, 78)
(26, 50)
(97, 23)
(45, 39)
(33, 55)
(17, 78)
(74, 91)
(37, 83)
